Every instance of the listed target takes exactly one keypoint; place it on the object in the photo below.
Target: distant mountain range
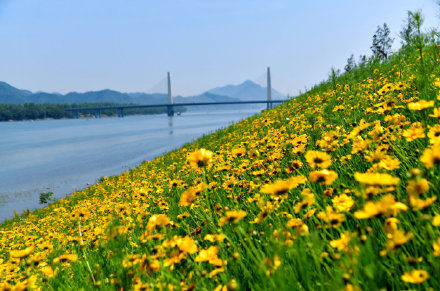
(247, 90)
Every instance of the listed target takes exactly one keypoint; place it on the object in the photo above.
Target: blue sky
(81, 45)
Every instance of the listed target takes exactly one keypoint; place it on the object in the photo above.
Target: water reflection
(170, 125)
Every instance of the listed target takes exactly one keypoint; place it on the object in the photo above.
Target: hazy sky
(81, 45)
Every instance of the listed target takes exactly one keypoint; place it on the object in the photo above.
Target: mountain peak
(249, 82)
(248, 90)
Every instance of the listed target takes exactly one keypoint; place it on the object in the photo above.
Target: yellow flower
(215, 272)
(418, 204)
(188, 197)
(422, 104)
(436, 247)
(414, 132)
(209, 255)
(331, 217)
(48, 271)
(370, 210)
(22, 253)
(436, 113)
(342, 243)
(376, 179)
(187, 245)
(272, 264)
(387, 205)
(436, 220)
(324, 177)
(318, 159)
(157, 220)
(391, 224)
(415, 276)
(343, 202)
(238, 152)
(431, 156)
(416, 187)
(200, 158)
(389, 163)
(434, 134)
(65, 258)
(232, 216)
(281, 187)
(398, 238)
(215, 237)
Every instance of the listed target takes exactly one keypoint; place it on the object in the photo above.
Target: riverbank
(333, 190)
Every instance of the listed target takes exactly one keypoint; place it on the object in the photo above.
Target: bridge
(170, 105)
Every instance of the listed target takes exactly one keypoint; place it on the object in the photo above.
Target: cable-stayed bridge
(171, 105)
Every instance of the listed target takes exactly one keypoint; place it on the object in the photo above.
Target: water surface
(65, 155)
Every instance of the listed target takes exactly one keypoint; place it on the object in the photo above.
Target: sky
(130, 45)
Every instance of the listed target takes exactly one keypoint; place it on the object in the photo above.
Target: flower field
(336, 189)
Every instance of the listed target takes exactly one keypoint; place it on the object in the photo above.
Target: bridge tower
(269, 89)
(170, 107)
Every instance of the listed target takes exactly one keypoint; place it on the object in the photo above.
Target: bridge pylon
(170, 107)
(269, 90)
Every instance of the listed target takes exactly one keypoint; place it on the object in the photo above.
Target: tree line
(32, 111)
(411, 38)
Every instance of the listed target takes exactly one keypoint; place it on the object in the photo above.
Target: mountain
(247, 90)
(12, 95)
(205, 97)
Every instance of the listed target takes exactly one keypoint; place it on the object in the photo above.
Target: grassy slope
(289, 241)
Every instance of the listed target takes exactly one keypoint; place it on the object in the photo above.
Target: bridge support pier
(96, 114)
(99, 113)
(170, 110)
(77, 114)
(121, 112)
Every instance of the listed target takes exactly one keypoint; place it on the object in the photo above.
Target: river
(63, 156)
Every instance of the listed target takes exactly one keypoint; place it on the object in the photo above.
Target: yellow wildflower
(391, 224)
(436, 113)
(422, 104)
(187, 245)
(341, 244)
(209, 255)
(324, 177)
(436, 247)
(416, 187)
(318, 159)
(157, 220)
(281, 187)
(436, 220)
(232, 216)
(434, 134)
(200, 158)
(22, 253)
(376, 179)
(188, 196)
(418, 204)
(431, 156)
(343, 202)
(414, 132)
(415, 276)
(65, 258)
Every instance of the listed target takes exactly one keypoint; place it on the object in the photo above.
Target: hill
(247, 90)
(336, 189)
(12, 95)
(209, 97)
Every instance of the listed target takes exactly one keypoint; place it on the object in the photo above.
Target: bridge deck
(176, 104)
